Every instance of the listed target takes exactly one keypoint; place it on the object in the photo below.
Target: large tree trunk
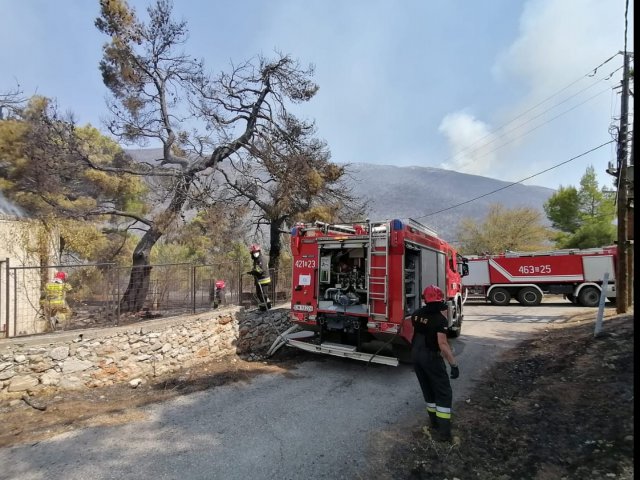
(138, 287)
(275, 248)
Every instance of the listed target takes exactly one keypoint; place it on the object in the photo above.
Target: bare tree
(157, 89)
(11, 101)
(286, 176)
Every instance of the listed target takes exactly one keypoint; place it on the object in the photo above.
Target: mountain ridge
(435, 197)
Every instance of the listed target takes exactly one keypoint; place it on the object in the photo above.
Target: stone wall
(102, 357)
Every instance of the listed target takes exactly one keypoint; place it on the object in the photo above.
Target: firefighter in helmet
(430, 348)
(216, 294)
(261, 277)
(55, 300)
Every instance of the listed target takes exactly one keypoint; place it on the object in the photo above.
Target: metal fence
(97, 290)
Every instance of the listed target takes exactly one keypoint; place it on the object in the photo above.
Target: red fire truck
(355, 286)
(576, 274)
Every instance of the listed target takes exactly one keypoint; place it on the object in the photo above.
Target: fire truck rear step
(340, 350)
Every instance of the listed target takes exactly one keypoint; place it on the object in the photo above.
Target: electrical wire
(591, 73)
(515, 183)
(533, 129)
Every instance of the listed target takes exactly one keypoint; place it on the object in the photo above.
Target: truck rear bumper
(339, 350)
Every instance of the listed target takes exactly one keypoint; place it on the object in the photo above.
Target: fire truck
(576, 274)
(355, 286)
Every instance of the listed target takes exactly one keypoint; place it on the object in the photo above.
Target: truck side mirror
(463, 267)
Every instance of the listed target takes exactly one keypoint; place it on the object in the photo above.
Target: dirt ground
(559, 406)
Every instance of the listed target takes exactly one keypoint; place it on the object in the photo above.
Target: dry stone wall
(103, 357)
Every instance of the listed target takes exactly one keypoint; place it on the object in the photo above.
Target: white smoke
(8, 208)
(471, 143)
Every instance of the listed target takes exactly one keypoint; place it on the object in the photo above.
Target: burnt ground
(558, 406)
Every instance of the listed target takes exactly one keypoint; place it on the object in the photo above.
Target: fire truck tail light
(391, 329)
(312, 317)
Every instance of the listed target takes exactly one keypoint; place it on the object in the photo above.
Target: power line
(532, 129)
(515, 183)
(590, 73)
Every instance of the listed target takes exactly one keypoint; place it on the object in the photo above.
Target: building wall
(22, 243)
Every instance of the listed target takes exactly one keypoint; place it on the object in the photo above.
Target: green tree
(517, 229)
(583, 217)
(157, 90)
(62, 175)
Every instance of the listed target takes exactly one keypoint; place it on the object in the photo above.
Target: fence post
(239, 269)
(8, 302)
(603, 297)
(193, 288)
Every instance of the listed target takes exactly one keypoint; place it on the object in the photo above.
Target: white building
(25, 251)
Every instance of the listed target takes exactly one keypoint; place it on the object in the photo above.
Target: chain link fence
(97, 294)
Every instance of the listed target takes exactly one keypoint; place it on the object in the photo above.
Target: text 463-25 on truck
(576, 274)
(356, 285)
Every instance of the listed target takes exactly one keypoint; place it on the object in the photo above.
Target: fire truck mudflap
(354, 287)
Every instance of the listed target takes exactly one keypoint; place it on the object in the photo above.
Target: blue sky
(496, 88)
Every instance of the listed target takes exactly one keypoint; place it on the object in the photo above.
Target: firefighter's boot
(444, 430)
(433, 420)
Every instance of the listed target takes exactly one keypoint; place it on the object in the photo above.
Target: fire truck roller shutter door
(432, 269)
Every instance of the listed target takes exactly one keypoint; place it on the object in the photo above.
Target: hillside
(418, 191)
(413, 192)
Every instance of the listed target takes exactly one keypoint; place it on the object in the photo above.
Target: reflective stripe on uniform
(55, 293)
(265, 281)
(431, 407)
(443, 412)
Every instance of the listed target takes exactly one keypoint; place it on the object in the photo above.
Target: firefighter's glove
(455, 371)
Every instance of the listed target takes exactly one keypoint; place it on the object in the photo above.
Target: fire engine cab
(355, 286)
(576, 274)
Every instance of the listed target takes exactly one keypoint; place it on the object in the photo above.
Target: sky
(503, 88)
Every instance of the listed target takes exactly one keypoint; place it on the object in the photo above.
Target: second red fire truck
(355, 286)
(576, 274)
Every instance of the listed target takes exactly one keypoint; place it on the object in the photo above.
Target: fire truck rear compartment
(342, 280)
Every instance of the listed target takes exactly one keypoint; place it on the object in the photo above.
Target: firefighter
(261, 277)
(430, 348)
(217, 292)
(55, 302)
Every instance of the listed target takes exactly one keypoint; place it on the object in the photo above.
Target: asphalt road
(329, 418)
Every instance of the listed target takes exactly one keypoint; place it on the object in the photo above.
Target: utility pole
(622, 283)
(630, 225)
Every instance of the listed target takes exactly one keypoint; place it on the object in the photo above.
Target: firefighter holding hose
(429, 349)
(261, 277)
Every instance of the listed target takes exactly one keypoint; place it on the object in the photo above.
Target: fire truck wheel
(456, 323)
(589, 297)
(500, 296)
(529, 296)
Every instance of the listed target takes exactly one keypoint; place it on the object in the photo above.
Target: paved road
(329, 418)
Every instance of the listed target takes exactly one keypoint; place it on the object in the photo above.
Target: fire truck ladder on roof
(377, 275)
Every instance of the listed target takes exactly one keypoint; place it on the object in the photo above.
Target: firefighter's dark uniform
(261, 279)
(429, 364)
